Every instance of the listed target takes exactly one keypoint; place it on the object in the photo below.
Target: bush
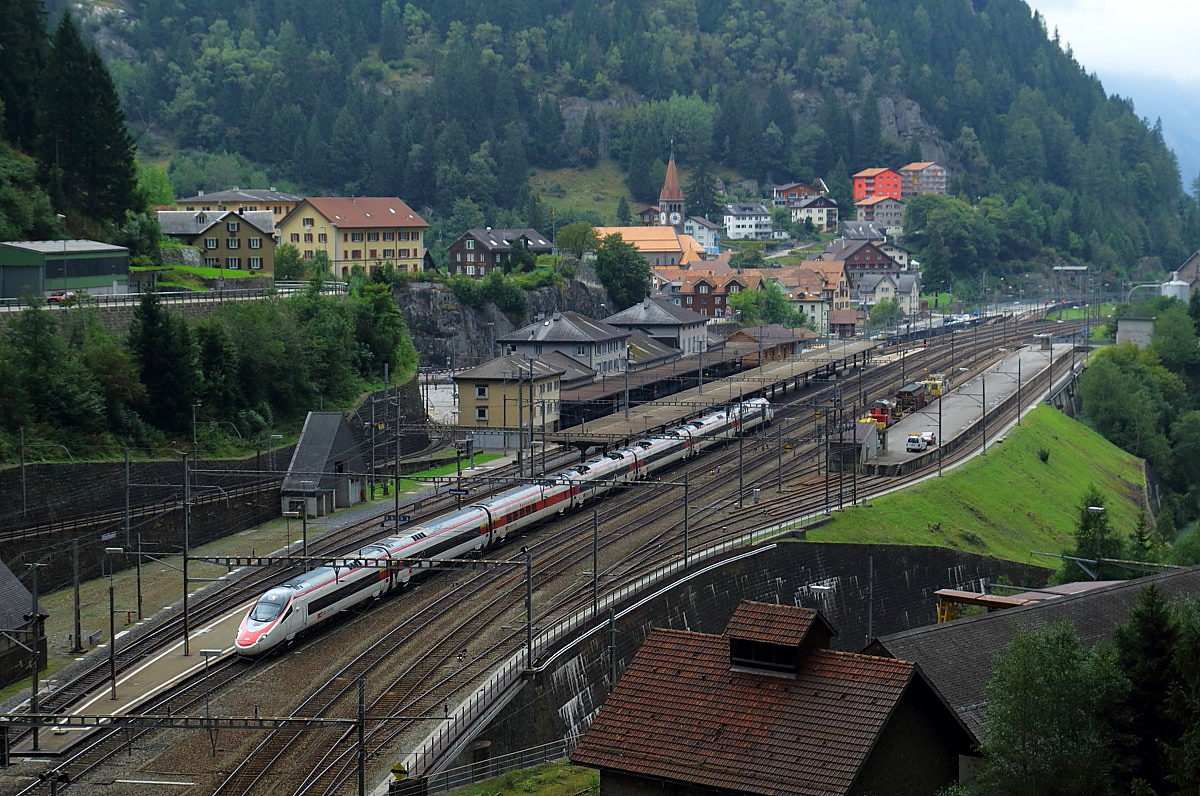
(1044, 454)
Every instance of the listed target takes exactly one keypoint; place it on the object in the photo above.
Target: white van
(915, 444)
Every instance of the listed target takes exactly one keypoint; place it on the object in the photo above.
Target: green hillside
(1008, 503)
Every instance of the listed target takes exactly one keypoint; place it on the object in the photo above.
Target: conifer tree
(86, 152)
(23, 49)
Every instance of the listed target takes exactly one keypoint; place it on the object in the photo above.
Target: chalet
(707, 293)
(820, 210)
(792, 194)
(876, 182)
(769, 708)
(357, 232)
(228, 240)
(478, 252)
(860, 256)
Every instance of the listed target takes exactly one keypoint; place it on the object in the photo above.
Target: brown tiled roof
(871, 172)
(772, 624)
(680, 713)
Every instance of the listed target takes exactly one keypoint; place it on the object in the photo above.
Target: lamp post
(627, 347)
(187, 532)
(112, 623)
(195, 406)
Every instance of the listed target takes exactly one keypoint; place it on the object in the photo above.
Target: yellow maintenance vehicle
(936, 385)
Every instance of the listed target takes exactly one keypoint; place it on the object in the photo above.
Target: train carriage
(321, 593)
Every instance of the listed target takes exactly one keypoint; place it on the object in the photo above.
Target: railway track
(445, 619)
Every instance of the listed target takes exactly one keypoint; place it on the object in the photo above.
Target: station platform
(767, 380)
(134, 687)
(962, 407)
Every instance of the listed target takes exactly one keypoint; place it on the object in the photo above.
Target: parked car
(930, 438)
(915, 443)
(61, 297)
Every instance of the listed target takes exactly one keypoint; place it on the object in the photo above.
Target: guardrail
(187, 296)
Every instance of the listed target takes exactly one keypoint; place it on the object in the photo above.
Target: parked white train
(319, 594)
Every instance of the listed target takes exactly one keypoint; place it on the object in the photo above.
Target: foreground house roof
(688, 710)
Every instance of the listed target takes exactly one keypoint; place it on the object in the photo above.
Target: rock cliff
(448, 333)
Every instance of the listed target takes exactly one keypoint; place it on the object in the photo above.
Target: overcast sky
(1138, 37)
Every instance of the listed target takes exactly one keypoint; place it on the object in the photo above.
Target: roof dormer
(773, 639)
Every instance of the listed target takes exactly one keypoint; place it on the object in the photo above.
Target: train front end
(265, 625)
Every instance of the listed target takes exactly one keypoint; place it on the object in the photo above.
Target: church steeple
(670, 198)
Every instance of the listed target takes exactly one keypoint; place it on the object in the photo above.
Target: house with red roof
(357, 231)
(768, 708)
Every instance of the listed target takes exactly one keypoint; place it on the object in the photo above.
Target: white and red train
(319, 594)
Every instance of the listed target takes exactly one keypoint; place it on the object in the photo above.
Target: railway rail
(482, 613)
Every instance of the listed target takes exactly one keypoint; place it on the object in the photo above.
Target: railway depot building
(766, 708)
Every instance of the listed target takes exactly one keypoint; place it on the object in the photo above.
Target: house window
(481, 413)
(702, 289)
(295, 237)
(481, 392)
(308, 254)
(404, 252)
(470, 270)
(389, 236)
(402, 235)
(580, 350)
(210, 243)
(356, 254)
(212, 262)
(321, 237)
(233, 262)
(356, 237)
(255, 263)
(470, 257)
(308, 237)
(470, 244)
(389, 254)
(256, 243)
(232, 226)
(373, 254)
(308, 222)
(373, 236)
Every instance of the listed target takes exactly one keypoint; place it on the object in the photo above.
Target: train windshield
(270, 605)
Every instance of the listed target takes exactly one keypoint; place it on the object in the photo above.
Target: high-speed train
(319, 594)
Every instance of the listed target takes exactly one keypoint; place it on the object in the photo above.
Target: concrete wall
(832, 578)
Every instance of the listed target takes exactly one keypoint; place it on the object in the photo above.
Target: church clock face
(675, 218)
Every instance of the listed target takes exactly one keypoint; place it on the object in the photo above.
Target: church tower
(670, 199)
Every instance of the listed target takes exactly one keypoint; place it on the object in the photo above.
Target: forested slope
(446, 102)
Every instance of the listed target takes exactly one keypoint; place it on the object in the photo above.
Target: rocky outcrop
(448, 333)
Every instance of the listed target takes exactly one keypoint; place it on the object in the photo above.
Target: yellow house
(495, 398)
(277, 203)
(365, 231)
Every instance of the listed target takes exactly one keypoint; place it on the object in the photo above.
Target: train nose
(249, 639)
